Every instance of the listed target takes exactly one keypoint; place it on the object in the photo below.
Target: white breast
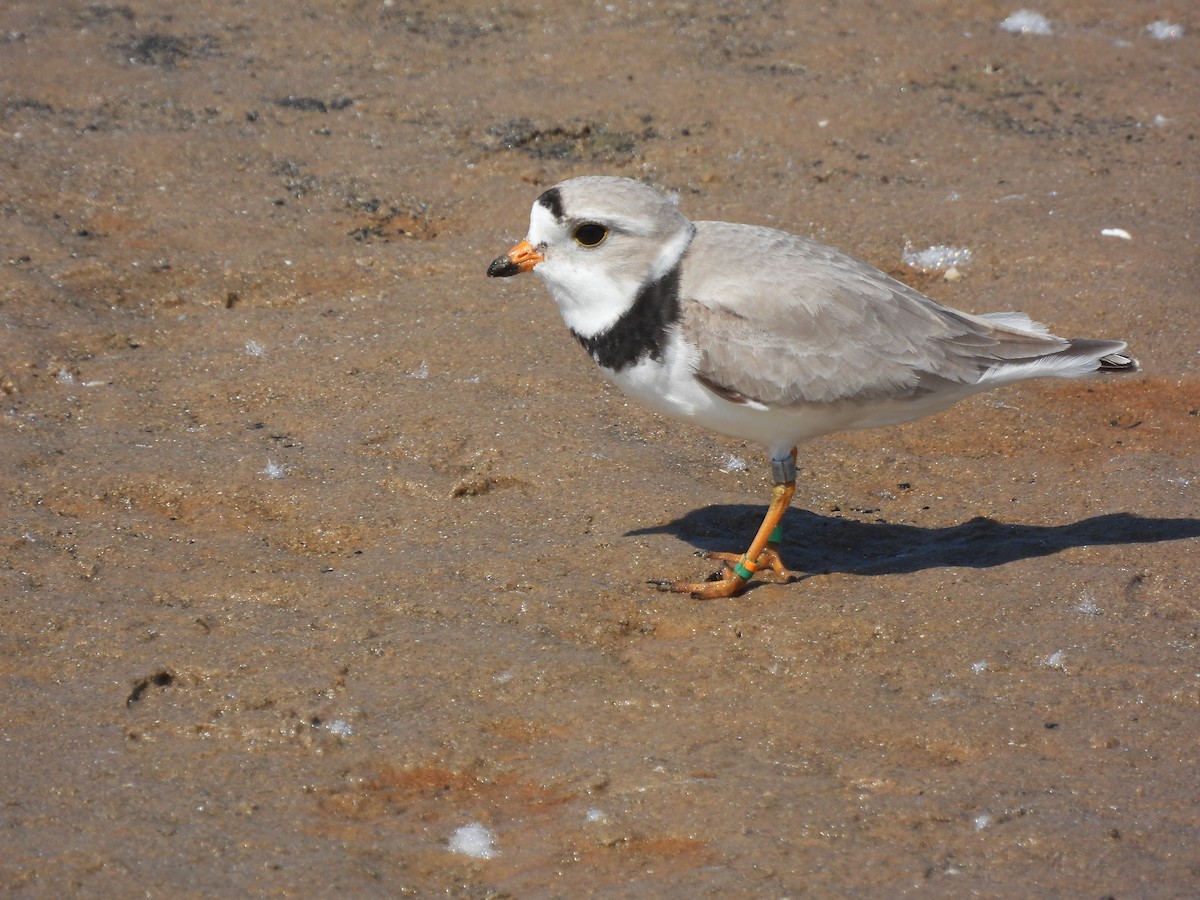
(669, 387)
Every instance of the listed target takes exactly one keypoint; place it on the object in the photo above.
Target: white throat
(590, 299)
(592, 290)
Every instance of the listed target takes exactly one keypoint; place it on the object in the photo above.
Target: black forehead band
(552, 200)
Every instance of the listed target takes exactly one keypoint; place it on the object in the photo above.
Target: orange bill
(520, 258)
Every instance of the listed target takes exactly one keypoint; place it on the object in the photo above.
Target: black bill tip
(502, 267)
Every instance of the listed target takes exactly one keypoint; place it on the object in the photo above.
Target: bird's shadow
(818, 544)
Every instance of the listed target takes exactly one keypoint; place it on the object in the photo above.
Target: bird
(765, 336)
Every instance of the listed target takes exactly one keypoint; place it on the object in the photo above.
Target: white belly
(670, 388)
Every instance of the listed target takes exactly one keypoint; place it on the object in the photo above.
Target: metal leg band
(783, 470)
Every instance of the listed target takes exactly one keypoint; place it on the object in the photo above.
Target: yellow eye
(589, 234)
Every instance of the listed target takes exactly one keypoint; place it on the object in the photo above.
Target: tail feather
(1071, 359)
(1108, 355)
(1118, 362)
(1017, 321)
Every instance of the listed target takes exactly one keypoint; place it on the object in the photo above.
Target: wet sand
(318, 545)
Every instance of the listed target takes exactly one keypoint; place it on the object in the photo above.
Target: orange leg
(763, 553)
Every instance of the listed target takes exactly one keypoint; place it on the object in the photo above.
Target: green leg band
(742, 572)
(776, 535)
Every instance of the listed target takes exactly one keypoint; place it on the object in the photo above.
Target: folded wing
(785, 321)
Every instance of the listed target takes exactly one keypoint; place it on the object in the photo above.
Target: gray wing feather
(787, 321)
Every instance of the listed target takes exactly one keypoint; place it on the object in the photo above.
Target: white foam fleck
(1025, 21)
(938, 258)
(274, 470)
(1117, 233)
(1055, 661)
(979, 667)
(474, 840)
(1086, 605)
(733, 463)
(1163, 30)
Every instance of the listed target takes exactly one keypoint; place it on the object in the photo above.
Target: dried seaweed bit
(158, 50)
(385, 220)
(450, 29)
(99, 13)
(293, 178)
(580, 142)
(161, 678)
(370, 205)
(477, 485)
(779, 69)
(313, 104)
(167, 50)
(303, 104)
(22, 104)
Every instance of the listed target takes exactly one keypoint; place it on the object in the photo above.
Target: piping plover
(761, 335)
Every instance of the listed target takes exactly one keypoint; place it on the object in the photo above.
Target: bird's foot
(768, 559)
(733, 576)
(725, 583)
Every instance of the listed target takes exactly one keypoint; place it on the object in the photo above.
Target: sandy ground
(319, 546)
